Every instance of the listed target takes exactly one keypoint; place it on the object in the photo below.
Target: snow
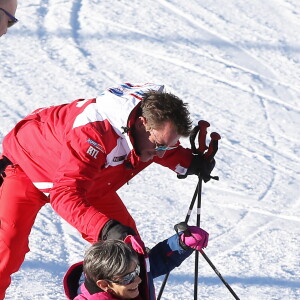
(237, 65)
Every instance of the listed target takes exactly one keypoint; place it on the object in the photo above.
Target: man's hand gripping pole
(203, 160)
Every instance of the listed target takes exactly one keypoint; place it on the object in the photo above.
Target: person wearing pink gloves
(116, 269)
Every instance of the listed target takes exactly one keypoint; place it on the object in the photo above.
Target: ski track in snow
(213, 49)
(198, 70)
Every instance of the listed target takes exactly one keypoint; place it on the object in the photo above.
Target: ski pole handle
(201, 129)
(203, 125)
(193, 135)
(213, 146)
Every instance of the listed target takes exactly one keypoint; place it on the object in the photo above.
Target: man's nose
(160, 153)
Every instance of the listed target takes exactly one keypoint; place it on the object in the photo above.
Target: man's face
(147, 140)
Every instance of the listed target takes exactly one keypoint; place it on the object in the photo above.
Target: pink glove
(197, 240)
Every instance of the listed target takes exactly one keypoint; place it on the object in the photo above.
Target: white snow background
(237, 65)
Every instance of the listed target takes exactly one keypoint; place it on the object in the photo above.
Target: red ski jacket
(80, 151)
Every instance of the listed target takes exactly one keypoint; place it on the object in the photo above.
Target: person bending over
(76, 156)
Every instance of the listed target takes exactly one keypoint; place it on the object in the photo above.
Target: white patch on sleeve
(118, 154)
(180, 170)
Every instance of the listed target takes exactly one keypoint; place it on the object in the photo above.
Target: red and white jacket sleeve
(74, 177)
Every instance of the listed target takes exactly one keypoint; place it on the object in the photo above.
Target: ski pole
(185, 229)
(212, 149)
(163, 286)
(201, 128)
(176, 226)
(191, 205)
(185, 222)
(199, 190)
(219, 275)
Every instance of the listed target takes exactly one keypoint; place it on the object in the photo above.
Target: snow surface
(237, 65)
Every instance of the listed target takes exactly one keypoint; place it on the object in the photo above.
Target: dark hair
(107, 259)
(159, 107)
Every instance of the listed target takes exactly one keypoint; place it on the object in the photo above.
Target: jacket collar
(121, 114)
(120, 106)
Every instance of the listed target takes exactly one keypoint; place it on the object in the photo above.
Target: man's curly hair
(159, 107)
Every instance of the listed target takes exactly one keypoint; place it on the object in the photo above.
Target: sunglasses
(163, 148)
(128, 278)
(12, 20)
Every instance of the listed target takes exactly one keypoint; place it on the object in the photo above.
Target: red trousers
(20, 201)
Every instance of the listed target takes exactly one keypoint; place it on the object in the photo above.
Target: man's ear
(102, 284)
(141, 122)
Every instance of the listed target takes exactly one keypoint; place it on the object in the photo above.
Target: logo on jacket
(95, 145)
(119, 158)
(92, 152)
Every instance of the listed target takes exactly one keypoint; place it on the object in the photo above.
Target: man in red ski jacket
(77, 155)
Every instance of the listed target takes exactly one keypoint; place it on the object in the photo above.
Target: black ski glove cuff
(114, 230)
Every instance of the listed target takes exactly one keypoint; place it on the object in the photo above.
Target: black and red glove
(200, 167)
(4, 162)
(114, 230)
